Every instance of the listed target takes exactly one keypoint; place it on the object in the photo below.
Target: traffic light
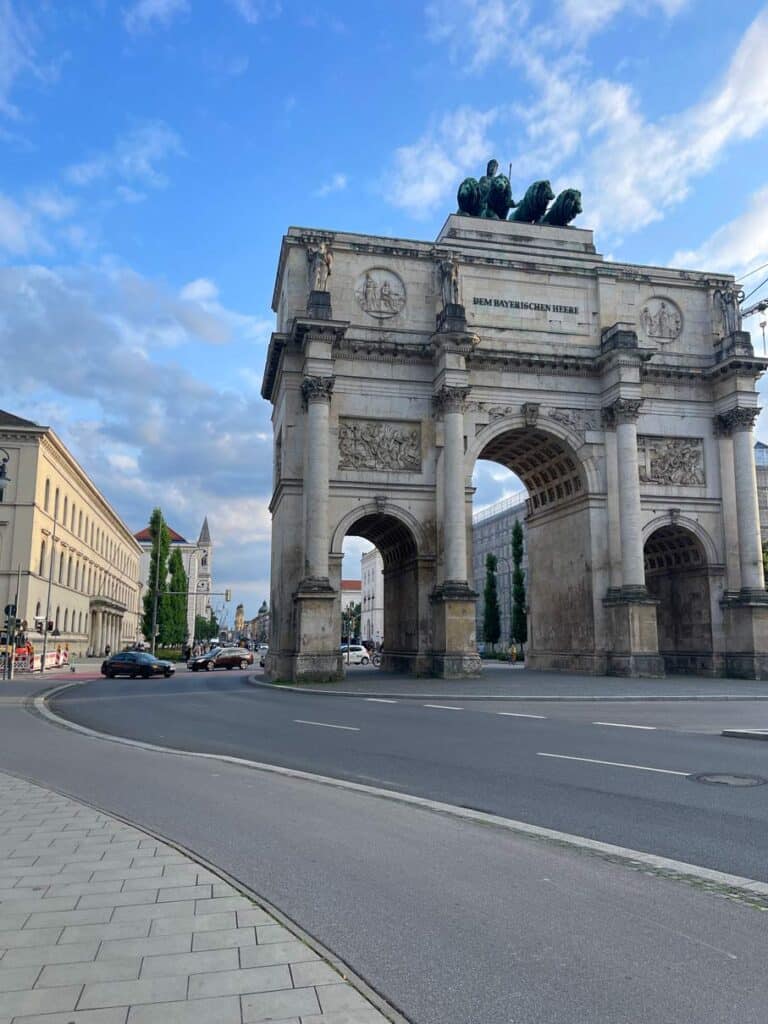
(50, 625)
(227, 595)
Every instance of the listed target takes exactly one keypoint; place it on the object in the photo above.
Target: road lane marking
(614, 764)
(622, 725)
(380, 700)
(515, 714)
(443, 707)
(327, 725)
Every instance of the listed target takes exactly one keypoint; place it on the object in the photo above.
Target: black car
(136, 663)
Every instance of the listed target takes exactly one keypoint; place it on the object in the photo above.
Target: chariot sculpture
(491, 197)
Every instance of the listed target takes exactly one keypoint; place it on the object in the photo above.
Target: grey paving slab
(100, 924)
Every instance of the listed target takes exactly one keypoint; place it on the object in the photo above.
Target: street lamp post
(48, 598)
(7, 671)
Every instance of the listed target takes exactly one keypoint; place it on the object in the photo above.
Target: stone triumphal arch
(623, 396)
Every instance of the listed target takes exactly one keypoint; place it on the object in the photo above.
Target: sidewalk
(103, 924)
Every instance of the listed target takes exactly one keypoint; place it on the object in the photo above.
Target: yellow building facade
(63, 548)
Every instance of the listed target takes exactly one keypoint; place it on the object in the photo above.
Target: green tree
(173, 622)
(519, 616)
(491, 613)
(157, 584)
(206, 628)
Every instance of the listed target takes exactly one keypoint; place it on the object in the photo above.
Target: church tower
(204, 571)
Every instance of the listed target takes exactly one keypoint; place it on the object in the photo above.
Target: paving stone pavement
(102, 924)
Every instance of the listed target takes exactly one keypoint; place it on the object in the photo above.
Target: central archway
(560, 529)
(408, 580)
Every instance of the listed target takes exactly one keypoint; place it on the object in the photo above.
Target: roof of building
(7, 419)
(205, 533)
(143, 536)
(351, 585)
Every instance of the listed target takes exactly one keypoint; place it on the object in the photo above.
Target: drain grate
(728, 779)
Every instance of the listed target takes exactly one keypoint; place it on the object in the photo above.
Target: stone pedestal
(319, 305)
(317, 658)
(452, 319)
(746, 624)
(632, 616)
(453, 616)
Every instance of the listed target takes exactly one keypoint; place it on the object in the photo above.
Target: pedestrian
(107, 650)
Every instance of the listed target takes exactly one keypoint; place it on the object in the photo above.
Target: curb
(528, 697)
(746, 734)
(735, 885)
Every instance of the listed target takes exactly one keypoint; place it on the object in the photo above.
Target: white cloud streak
(133, 158)
(145, 15)
(337, 183)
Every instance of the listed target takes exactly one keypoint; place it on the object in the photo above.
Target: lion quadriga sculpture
(564, 209)
(533, 205)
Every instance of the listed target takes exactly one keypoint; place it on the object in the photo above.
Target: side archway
(408, 580)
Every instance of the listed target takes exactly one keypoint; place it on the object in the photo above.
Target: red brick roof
(351, 585)
(145, 535)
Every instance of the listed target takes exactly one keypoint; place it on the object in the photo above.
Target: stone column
(634, 649)
(740, 422)
(728, 496)
(625, 412)
(316, 392)
(451, 401)
(100, 633)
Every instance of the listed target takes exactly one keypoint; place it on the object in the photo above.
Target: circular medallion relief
(380, 292)
(661, 319)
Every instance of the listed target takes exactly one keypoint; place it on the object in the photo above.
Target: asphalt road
(455, 923)
(621, 773)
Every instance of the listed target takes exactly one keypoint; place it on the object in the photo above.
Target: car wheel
(167, 673)
(146, 673)
(363, 661)
(243, 664)
(109, 675)
(209, 666)
(194, 668)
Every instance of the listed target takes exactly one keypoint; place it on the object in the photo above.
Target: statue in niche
(320, 262)
(449, 281)
(727, 303)
(490, 197)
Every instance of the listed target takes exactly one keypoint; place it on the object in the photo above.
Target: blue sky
(155, 151)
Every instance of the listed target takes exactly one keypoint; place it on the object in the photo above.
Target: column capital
(317, 389)
(735, 419)
(450, 399)
(623, 410)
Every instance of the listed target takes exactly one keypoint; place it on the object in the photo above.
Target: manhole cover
(727, 779)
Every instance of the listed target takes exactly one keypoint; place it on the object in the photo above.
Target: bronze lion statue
(533, 205)
(564, 209)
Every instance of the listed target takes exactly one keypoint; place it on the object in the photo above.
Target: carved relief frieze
(380, 293)
(661, 319)
(380, 445)
(678, 461)
(579, 421)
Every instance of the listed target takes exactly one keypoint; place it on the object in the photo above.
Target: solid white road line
(443, 707)
(327, 725)
(614, 764)
(622, 725)
(515, 714)
(380, 700)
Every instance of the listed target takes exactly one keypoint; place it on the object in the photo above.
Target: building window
(56, 620)
(66, 620)
(47, 497)
(37, 610)
(64, 517)
(72, 518)
(69, 572)
(80, 523)
(42, 559)
(61, 568)
(56, 504)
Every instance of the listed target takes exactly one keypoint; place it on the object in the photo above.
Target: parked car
(136, 663)
(222, 657)
(355, 654)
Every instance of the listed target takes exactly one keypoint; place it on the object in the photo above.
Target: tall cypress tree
(158, 571)
(519, 616)
(173, 627)
(491, 613)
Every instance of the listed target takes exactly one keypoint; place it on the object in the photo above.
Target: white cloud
(736, 246)
(425, 172)
(487, 29)
(587, 17)
(145, 15)
(337, 183)
(134, 158)
(253, 11)
(50, 203)
(19, 231)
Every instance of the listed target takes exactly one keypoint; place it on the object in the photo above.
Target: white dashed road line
(614, 764)
(622, 725)
(443, 707)
(516, 714)
(327, 725)
(380, 700)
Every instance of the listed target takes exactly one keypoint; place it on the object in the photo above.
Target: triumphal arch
(623, 396)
